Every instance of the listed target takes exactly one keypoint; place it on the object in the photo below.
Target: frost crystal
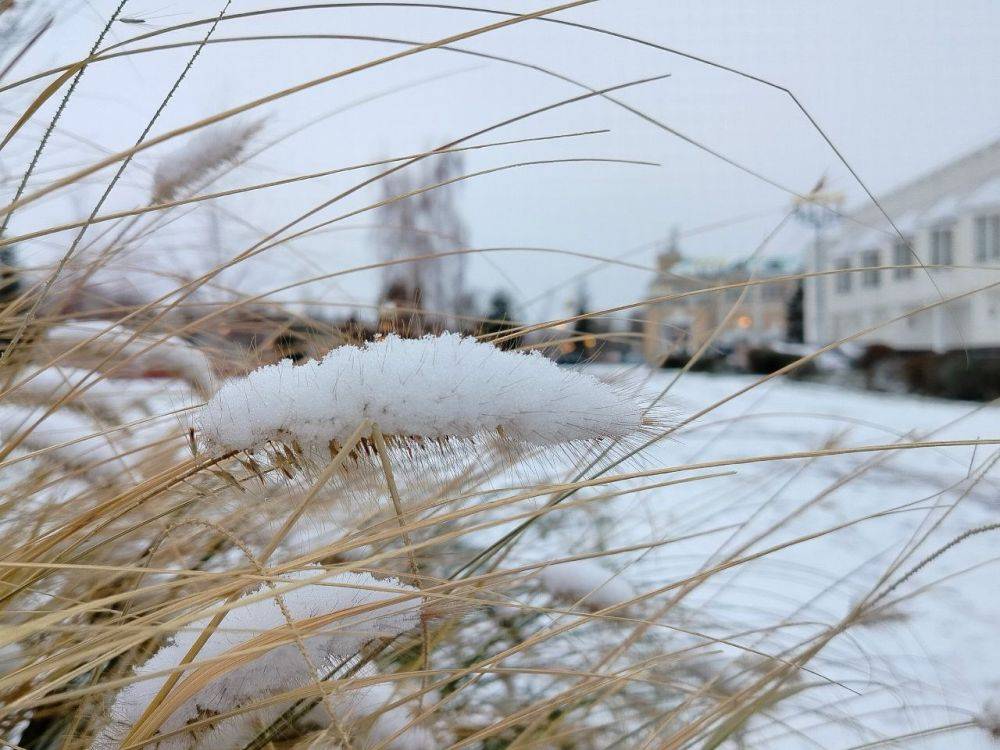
(436, 387)
(585, 580)
(280, 669)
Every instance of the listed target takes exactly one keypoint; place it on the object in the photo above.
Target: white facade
(950, 217)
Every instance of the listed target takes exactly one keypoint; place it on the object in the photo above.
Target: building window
(993, 304)
(987, 238)
(870, 260)
(772, 291)
(903, 256)
(843, 279)
(941, 247)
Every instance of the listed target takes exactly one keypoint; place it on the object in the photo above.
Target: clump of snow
(587, 582)
(392, 721)
(203, 154)
(358, 705)
(436, 387)
(989, 717)
(103, 397)
(64, 436)
(275, 671)
(132, 355)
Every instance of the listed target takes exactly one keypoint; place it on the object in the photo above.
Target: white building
(950, 217)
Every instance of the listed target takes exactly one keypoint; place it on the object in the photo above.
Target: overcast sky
(900, 87)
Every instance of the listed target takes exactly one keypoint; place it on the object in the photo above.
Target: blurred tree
(582, 345)
(795, 316)
(499, 318)
(418, 227)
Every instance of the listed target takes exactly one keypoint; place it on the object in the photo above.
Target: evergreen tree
(583, 330)
(499, 318)
(795, 316)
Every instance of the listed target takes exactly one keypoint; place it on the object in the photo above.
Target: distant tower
(654, 343)
(672, 255)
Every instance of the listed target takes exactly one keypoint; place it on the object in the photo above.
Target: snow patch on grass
(278, 669)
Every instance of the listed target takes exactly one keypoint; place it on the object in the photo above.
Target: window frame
(986, 237)
(946, 230)
(871, 278)
(902, 256)
(843, 282)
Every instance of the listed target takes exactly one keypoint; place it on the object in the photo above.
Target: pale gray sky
(899, 86)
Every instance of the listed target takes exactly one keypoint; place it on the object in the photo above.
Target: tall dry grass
(119, 533)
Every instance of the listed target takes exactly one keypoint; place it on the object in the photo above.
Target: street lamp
(819, 209)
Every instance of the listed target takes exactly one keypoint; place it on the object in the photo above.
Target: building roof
(968, 183)
(713, 268)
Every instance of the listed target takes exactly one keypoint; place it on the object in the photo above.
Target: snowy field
(935, 660)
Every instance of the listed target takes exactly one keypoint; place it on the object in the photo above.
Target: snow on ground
(941, 655)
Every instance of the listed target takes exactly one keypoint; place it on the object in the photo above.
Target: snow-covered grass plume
(586, 582)
(83, 390)
(87, 343)
(204, 153)
(277, 669)
(436, 387)
(65, 437)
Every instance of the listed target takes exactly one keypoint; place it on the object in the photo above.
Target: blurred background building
(951, 220)
(679, 325)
